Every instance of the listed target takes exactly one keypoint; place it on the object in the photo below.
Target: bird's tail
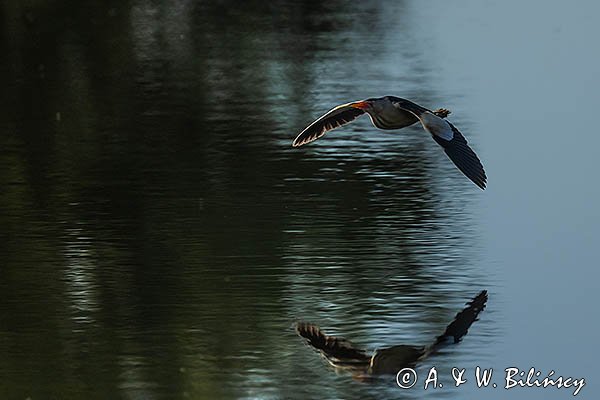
(463, 320)
(338, 352)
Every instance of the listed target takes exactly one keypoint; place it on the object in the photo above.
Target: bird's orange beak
(363, 105)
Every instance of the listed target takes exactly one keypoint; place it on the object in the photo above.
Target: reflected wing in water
(464, 319)
(338, 352)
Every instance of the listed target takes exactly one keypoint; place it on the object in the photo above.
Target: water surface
(160, 235)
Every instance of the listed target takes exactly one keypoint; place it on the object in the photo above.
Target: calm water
(160, 235)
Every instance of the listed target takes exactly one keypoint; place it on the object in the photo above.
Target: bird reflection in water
(343, 355)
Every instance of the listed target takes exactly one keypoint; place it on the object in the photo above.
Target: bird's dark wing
(464, 319)
(335, 118)
(463, 156)
(338, 351)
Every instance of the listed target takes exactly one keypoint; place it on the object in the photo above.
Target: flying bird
(342, 354)
(390, 112)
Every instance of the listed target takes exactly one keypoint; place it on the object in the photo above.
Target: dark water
(160, 235)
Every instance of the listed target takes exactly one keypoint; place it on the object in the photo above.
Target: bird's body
(392, 359)
(342, 354)
(390, 112)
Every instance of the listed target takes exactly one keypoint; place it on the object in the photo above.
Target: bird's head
(362, 105)
(372, 104)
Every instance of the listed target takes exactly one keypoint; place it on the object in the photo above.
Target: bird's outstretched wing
(335, 118)
(463, 156)
(338, 351)
(452, 141)
(456, 147)
(464, 319)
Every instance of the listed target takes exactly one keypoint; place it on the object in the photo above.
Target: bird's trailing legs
(442, 112)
